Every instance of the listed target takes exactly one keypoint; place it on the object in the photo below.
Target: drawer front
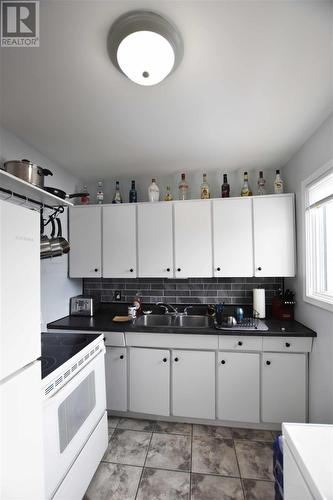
(116, 339)
(171, 340)
(287, 344)
(240, 343)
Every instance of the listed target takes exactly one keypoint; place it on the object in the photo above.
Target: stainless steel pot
(27, 171)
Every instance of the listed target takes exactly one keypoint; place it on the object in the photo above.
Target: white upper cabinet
(85, 231)
(274, 236)
(119, 241)
(155, 240)
(232, 237)
(193, 239)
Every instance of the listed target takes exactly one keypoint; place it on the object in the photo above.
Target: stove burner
(57, 348)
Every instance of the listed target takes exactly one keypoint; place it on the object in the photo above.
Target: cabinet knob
(168, 269)
(176, 359)
(178, 269)
(121, 356)
(259, 268)
(96, 269)
(131, 270)
(287, 344)
(223, 362)
(165, 360)
(268, 363)
(240, 343)
(218, 269)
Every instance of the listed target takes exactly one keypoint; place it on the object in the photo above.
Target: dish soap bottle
(278, 183)
(117, 198)
(100, 193)
(205, 189)
(261, 184)
(153, 191)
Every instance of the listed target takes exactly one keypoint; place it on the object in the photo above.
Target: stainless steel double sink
(173, 321)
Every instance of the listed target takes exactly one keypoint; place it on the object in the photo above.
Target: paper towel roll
(259, 301)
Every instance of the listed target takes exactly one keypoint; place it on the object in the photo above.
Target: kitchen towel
(259, 301)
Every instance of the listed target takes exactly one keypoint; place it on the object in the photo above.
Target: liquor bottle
(133, 194)
(261, 184)
(246, 191)
(100, 193)
(153, 191)
(168, 195)
(225, 188)
(85, 198)
(278, 183)
(205, 190)
(117, 198)
(183, 188)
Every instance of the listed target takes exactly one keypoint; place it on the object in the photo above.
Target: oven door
(69, 418)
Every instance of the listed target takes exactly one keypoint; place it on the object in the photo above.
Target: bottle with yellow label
(246, 191)
(204, 188)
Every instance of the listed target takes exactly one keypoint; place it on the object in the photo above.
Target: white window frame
(322, 300)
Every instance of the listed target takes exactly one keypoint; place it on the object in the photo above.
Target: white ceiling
(255, 81)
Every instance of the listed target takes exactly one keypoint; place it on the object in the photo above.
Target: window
(318, 197)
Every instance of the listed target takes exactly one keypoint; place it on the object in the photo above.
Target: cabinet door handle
(176, 359)
(178, 269)
(223, 362)
(121, 356)
(165, 360)
(218, 269)
(240, 343)
(259, 268)
(131, 270)
(268, 363)
(96, 269)
(287, 344)
(168, 269)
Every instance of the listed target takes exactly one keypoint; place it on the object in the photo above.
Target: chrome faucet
(169, 309)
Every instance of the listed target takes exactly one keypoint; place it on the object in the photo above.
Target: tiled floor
(148, 460)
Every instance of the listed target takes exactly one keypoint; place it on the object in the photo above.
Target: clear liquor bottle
(183, 188)
(100, 193)
(261, 184)
(278, 183)
(204, 188)
(168, 194)
(153, 191)
(117, 198)
(246, 191)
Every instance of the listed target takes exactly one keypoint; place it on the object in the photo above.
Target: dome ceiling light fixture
(145, 46)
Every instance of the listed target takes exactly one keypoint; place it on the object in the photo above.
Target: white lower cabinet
(116, 378)
(193, 384)
(284, 387)
(238, 386)
(149, 381)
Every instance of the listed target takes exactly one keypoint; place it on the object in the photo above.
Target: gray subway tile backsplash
(182, 291)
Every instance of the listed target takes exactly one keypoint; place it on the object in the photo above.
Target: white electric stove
(74, 412)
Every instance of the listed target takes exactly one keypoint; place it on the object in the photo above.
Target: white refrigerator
(21, 445)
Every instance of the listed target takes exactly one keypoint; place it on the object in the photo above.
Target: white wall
(317, 151)
(56, 287)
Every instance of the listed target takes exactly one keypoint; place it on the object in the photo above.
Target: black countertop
(102, 322)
